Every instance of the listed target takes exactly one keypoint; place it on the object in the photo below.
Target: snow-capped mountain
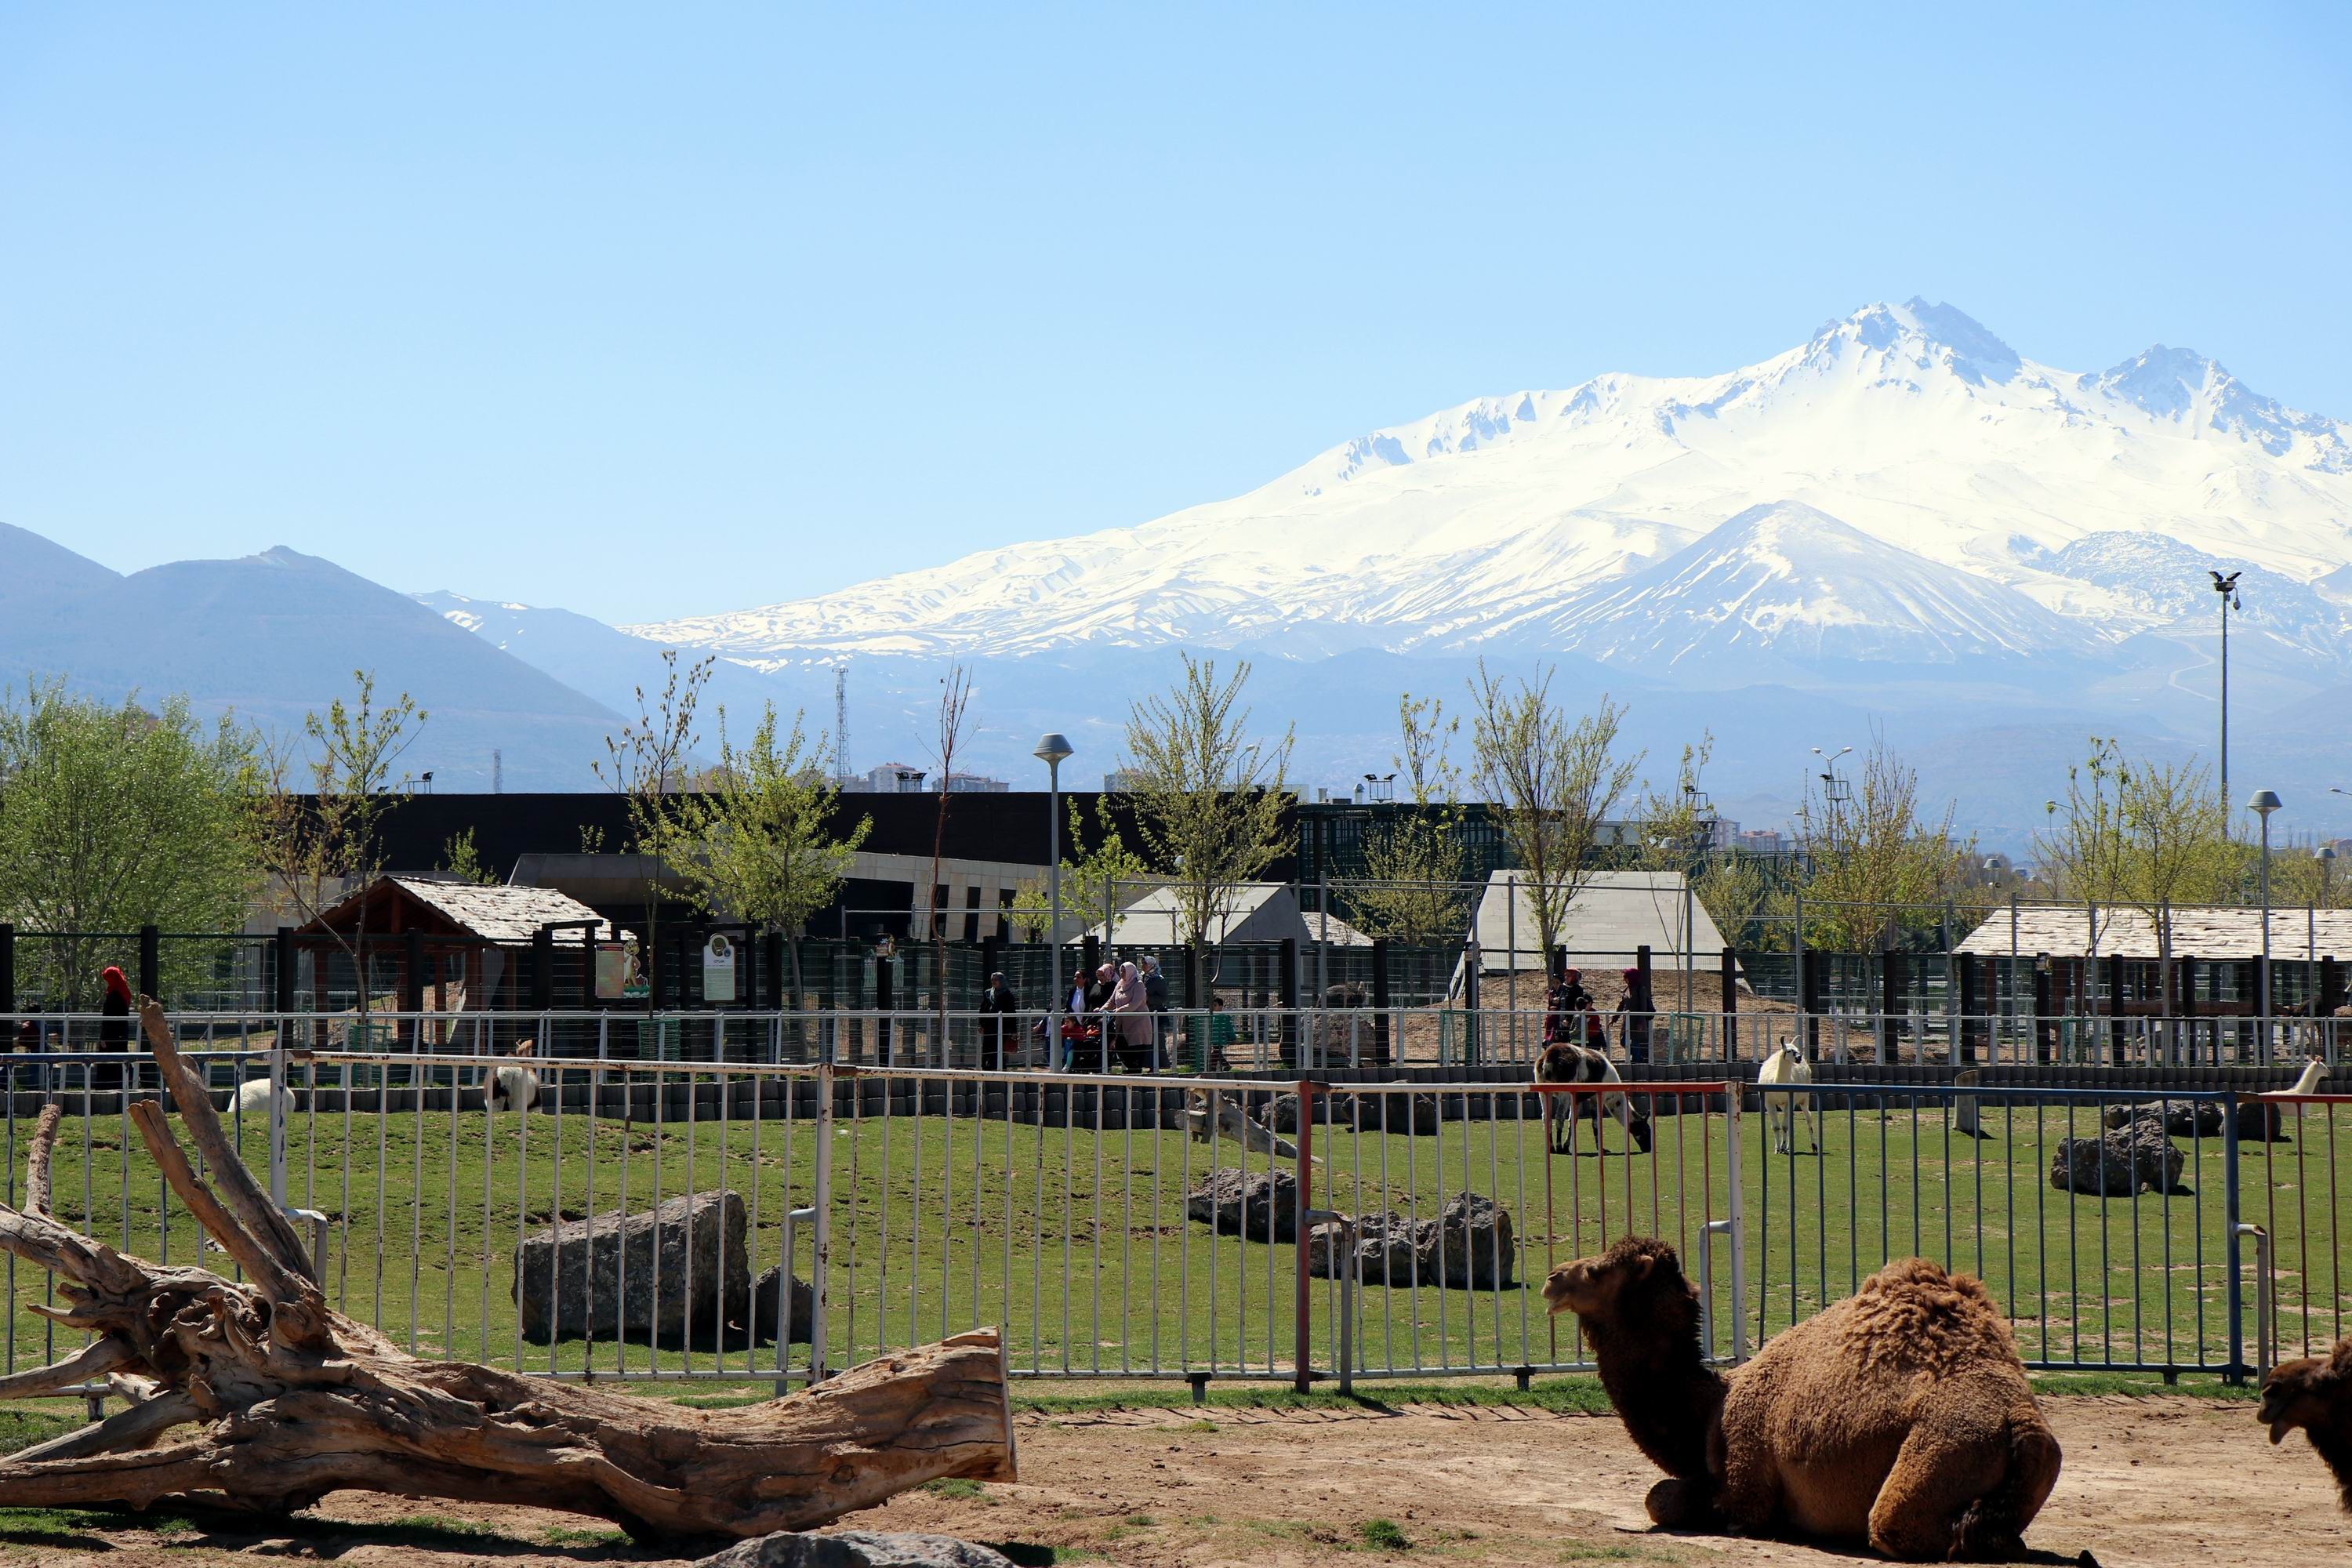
(1903, 486)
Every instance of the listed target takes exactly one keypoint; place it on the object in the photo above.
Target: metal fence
(813, 1193)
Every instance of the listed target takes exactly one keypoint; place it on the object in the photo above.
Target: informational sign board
(612, 970)
(718, 968)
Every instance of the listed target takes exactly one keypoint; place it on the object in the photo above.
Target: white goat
(512, 1085)
(1788, 1065)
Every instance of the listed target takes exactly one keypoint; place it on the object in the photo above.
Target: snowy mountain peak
(1919, 481)
(1922, 335)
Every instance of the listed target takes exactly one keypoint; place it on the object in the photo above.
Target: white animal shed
(1611, 915)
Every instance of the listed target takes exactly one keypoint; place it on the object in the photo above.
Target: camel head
(1640, 1277)
(2304, 1394)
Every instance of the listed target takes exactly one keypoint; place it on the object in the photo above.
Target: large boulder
(1467, 1243)
(855, 1549)
(2135, 1157)
(1262, 1206)
(2181, 1117)
(765, 1314)
(665, 1274)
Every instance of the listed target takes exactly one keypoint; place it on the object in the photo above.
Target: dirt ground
(2147, 1481)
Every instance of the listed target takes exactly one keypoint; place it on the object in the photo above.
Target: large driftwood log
(260, 1396)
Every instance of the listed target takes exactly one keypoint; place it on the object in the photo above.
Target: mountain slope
(1485, 525)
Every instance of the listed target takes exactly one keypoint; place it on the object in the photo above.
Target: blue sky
(651, 311)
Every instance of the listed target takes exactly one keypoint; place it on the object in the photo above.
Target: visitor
(1139, 1044)
(1635, 1015)
(1220, 1038)
(998, 1008)
(1564, 1008)
(1155, 996)
(114, 1027)
(1099, 996)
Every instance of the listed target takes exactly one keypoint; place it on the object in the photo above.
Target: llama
(512, 1085)
(1788, 1065)
(1566, 1063)
(1233, 1122)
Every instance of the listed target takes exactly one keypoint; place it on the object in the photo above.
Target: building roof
(505, 914)
(1613, 914)
(1255, 911)
(2198, 930)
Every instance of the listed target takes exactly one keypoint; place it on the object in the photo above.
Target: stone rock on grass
(2119, 1163)
(676, 1270)
(1468, 1244)
(764, 1313)
(1259, 1204)
(855, 1549)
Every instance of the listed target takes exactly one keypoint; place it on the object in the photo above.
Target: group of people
(1119, 1015)
(1571, 1016)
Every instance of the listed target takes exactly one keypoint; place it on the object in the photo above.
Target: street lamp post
(2227, 588)
(2262, 802)
(1054, 749)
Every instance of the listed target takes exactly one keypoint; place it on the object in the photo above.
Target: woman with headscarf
(114, 1027)
(1138, 1040)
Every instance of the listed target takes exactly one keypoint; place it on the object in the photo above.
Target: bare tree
(647, 763)
(955, 702)
(1209, 799)
(1551, 782)
(1412, 885)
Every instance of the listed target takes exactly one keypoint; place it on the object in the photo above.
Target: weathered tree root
(292, 1400)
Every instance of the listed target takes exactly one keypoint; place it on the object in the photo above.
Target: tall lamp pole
(2262, 802)
(1054, 749)
(2227, 588)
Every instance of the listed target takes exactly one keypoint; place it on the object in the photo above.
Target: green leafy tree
(112, 817)
(1878, 865)
(1208, 798)
(460, 860)
(759, 843)
(649, 764)
(1411, 886)
(1093, 879)
(1551, 781)
(2144, 835)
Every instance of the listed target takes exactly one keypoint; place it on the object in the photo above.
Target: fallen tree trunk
(260, 1396)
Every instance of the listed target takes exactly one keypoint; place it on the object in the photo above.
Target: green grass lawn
(942, 1225)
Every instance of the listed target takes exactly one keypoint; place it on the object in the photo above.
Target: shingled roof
(2198, 930)
(504, 914)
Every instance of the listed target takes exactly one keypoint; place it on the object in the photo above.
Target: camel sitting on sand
(1900, 1415)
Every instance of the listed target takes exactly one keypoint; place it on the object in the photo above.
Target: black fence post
(412, 984)
(283, 945)
(2045, 1028)
(772, 966)
(1890, 998)
(8, 967)
(1289, 982)
(543, 970)
(1968, 979)
(2331, 985)
(1730, 965)
(885, 998)
(2115, 1009)
(151, 963)
(1380, 995)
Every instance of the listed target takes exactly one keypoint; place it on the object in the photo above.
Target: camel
(2316, 1394)
(1788, 1065)
(1566, 1063)
(1900, 1417)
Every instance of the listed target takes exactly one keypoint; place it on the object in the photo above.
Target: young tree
(1208, 798)
(112, 817)
(1878, 864)
(463, 861)
(1673, 831)
(1411, 886)
(319, 846)
(955, 701)
(760, 844)
(1091, 878)
(647, 765)
(1550, 783)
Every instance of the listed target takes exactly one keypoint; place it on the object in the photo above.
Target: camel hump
(1916, 1312)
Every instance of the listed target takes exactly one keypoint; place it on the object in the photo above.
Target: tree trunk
(289, 1400)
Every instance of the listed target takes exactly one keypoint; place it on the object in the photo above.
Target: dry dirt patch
(2160, 1482)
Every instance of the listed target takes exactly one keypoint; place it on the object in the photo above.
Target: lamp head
(1052, 749)
(2264, 801)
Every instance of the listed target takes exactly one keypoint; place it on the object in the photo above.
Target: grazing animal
(2316, 1394)
(252, 1097)
(1567, 1063)
(1900, 1415)
(2314, 1071)
(513, 1086)
(1233, 1124)
(1788, 1065)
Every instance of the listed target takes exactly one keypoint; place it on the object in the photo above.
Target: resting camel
(2316, 1394)
(1565, 1063)
(1900, 1417)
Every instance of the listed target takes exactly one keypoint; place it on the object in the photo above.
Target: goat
(512, 1085)
(1788, 1065)
(1567, 1063)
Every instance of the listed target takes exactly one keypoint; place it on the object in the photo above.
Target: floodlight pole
(2263, 803)
(1053, 750)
